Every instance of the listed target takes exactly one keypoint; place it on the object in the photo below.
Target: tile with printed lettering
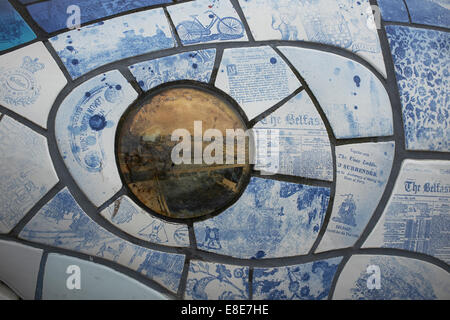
(379, 277)
(303, 147)
(257, 78)
(207, 21)
(195, 65)
(353, 98)
(63, 224)
(130, 218)
(92, 46)
(55, 15)
(310, 281)
(393, 10)
(422, 67)
(19, 268)
(85, 128)
(6, 294)
(211, 281)
(13, 29)
(272, 219)
(417, 217)
(347, 24)
(430, 12)
(30, 81)
(362, 173)
(96, 282)
(26, 171)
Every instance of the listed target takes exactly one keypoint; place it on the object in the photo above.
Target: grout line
(22, 120)
(337, 275)
(417, 25)
(216, 67)
(173, 28)
(407, 11)
(250, 283)
(240, 12)
(295, 179)
(58, 60)
(40, 278)
(183, 279)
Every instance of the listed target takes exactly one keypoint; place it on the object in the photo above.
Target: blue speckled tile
(130, 218)
(195, 65)
(30, 81)
(85, 128)
(393, 10)
(62, 223)
(401, 279)
(92, 46)
(26, 171)
(272, 219)
(211, 281)
(422, 61)
(353, 98)
(362, 173)
(431, 12)
(13, 29)
(310, 281)
(347, 24)
(257, 78)
(416, 217)
(97, 282)
(52, 15)
(304, 148)
(207, 21)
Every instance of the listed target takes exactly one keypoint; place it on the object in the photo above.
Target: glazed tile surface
(353, 98)
(393, 10)
(62, 223)
(430, 12)
(85, 128)
(30, 81)
(13, 29)
(362, 173)
(271, 219)
(195, 65)
(310, 281)
(92, 46)
(422, 60)
(26, 171)
(417, 215)
(6, 294)
(210, 281)
(127, 216)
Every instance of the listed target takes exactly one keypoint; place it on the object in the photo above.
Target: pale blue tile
(393, 10)
(13, 29)
(431, 12)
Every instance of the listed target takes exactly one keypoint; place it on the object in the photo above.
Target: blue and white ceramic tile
(422, 62)
(401, 279)
(194, 65)
(347, 24)
(62, 223)
(54, 15)
(362, 173)
(431, 12)
(393, 10)
(85, 128)
(416, 217)
(353, 98)
(130, 218)
(304, 147)
(310, 281)
(6, 294)
(257, 78)
(92, 46)
(13, 29)
(26, 171)
(211, 281)
(30, 81)
(272, 219)
(207, 21)
(97, 282)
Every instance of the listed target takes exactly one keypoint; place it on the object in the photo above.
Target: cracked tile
(430, 12)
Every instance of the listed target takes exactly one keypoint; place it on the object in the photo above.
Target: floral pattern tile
(400, 279)
(271, 219)
(422, 62)
(211, 281)
(62, 223)
(85, 128)
(194, 65)
(130, 218)
(30, 81)
(13, 29)
(310, 281)
(26, 171)
(353, 98)
(417, 217)
(430, 12)
(362, 174)
(393, 10)
(257, 78)
(92, 46)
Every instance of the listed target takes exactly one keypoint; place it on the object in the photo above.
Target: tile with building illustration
(430, 12)
(13, 29)
(393, 10)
